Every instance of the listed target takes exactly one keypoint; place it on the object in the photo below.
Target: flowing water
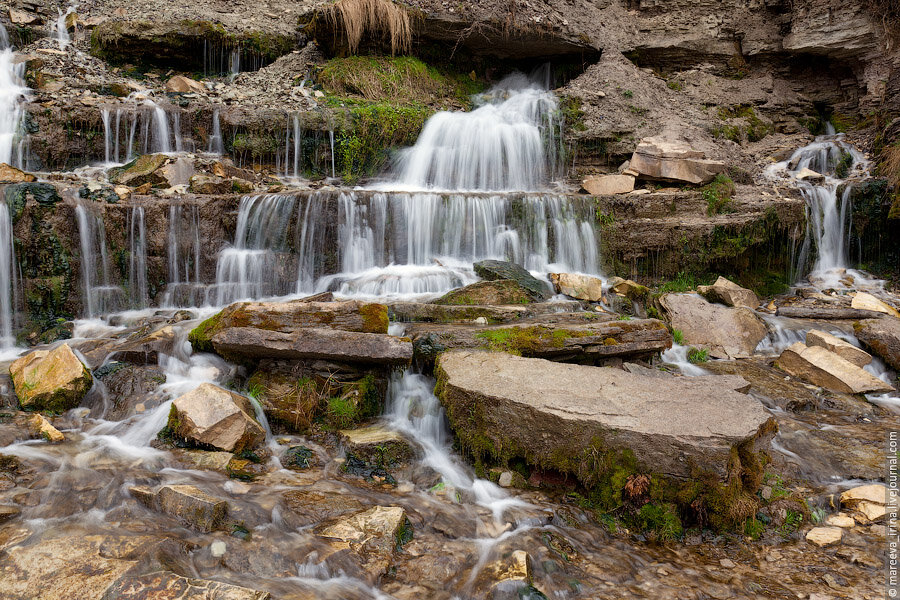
(100, 296)
(139, 127)
(216, 144)
(137, 262)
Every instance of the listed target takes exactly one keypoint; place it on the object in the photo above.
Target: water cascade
(216, 145)
(137, 263)
(820, 170)
(292, 137)
(13, 95)
(184, 287)
(141, 128)
(60, 30)
(100, 295)
(8, 287)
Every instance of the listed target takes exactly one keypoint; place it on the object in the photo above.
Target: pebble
(727, 563)
(218, 548)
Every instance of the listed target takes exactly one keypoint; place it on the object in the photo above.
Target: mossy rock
(486, 293)
(139, 171)
(493, 270)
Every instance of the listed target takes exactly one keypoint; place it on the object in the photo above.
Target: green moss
(341, 411)
(718, 194)
(375, 318)
(749, 124)
(842, 123)
(662, 520)
(256, 145)
(200, 336)
(525, 341)
(842, 168)
(572, 113)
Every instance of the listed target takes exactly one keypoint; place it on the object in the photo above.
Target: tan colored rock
(628, 288)
(727, 332)
(41, 428)
(840, 520)
(826, 369)
(551, 409)
(54, 380)
(205, 184)
(868, 500)
(177, 172)
(607, 185)
(380, 524)
(213, 416)
(181, 84)
(166, 584)
(864, 301)
(515, 567)
(503, 292)
(729, 293)
(582, 287)
(824, 536)
(655, 158)
(186, 502)
(377, 444)
(140, 171)
(809, 174)
(881, 337)
(842, 348)
(21, 17)
(10, 174)
(123, 192)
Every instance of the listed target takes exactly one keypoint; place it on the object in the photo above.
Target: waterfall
(506, 144)
(162, 142)
(137, 264)
(290, 168)
(216, 145)
(100, 295)
(184, 286)
(235, 62)
(819, 170)
(253, 266)
(7, 278)
(148, 130)
(60, 31)
(13, 95)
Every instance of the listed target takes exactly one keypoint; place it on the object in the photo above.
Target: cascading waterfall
(100, 295)
(13, 95)
(292, 139)
(820, 170)
(184, 287)
(141, 128)
(8, 286)
(216, 144)
(137, 263)
(60, 31)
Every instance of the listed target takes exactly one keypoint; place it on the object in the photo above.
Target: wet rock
(487, 293)
(374, 534)
(207, 184)
(314, 343)
(727, 332)
(180, 84)
(185, 502)
(842, 348)
(840, 520)
(828, 370)
(145, 349)
(550, 410)
(655, 158)
(729, 293)
(165, 584)
(628, 288)
(10, 174)
(41, 428)
(313, 506)
(493, 270)
(54, 380)
(140, 171)
(881, 336)
(377, 445)
(582, 287)
(824, 536)
(8, 513)
(130, 388)
(868, 500)
(215, 417)
(433, 313)
(507, 575)
(177, 172)
(864, 301)
(605, 185)
(811, 175)
(297, 458)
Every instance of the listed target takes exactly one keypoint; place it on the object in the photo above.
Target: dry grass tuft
(889, 165)
(376, 17)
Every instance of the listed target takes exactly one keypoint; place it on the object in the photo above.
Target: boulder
(655, 158)
(41, 428)
(842, 348)
(607, 185)
(493, 270)
(54, 380)
(379, 527)
(868, 500)
(864, 301)
(140, 171)
(186, 502)
(434, 313)
(826, 369)
(377, 445)
(813, 176)
(628, 288)
(180, 84)
(206, 184)
(881, 336)
(22, 17)
(582, 287)
(313, 343)
(545, 411)
(215, 417)
(729, 293)
(10, 174)
(291, 317)
(824, 536)
(727, 332)
(487, 293)
(145, 349)
(177, 172)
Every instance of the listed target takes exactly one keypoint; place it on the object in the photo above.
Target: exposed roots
(380, 18)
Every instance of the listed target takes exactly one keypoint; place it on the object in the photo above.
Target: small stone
(766, 492)
(480, 321)
(727, 563)
(840, 520)
(824, 536)
(506, 479)
(41, 428)
(218, 548)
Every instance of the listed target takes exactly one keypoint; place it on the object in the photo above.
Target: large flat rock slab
(727, 332)
(542, 410)
(826, 369)
(881, 336)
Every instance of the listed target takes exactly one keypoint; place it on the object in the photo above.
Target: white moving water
(137, 264)
(60, 31)
(13, 96)
(141, 127)
(216, 144)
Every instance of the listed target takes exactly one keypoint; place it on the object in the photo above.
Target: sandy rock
(727, 332)
(864, 301)
(10, 174)
(582, 287)
(166, 584)
(53, 380)
(842, 348)
(548, 408)
(21, 17)
(729, 293)
(828, 370)
(206, 184)
(213, 416)
(186, 502)
(882, 337)
(627, 287)
(605, 185)
(824, 536)
(177, 172)
(122, 191)
(655, 158)
(41, 428)
(182, 85)
(381, 523)
(810, 175)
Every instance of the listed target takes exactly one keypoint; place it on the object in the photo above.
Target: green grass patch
(718, 194)
(698, 355)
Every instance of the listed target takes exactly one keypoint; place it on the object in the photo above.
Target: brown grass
(377, 17)
(889, 166)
